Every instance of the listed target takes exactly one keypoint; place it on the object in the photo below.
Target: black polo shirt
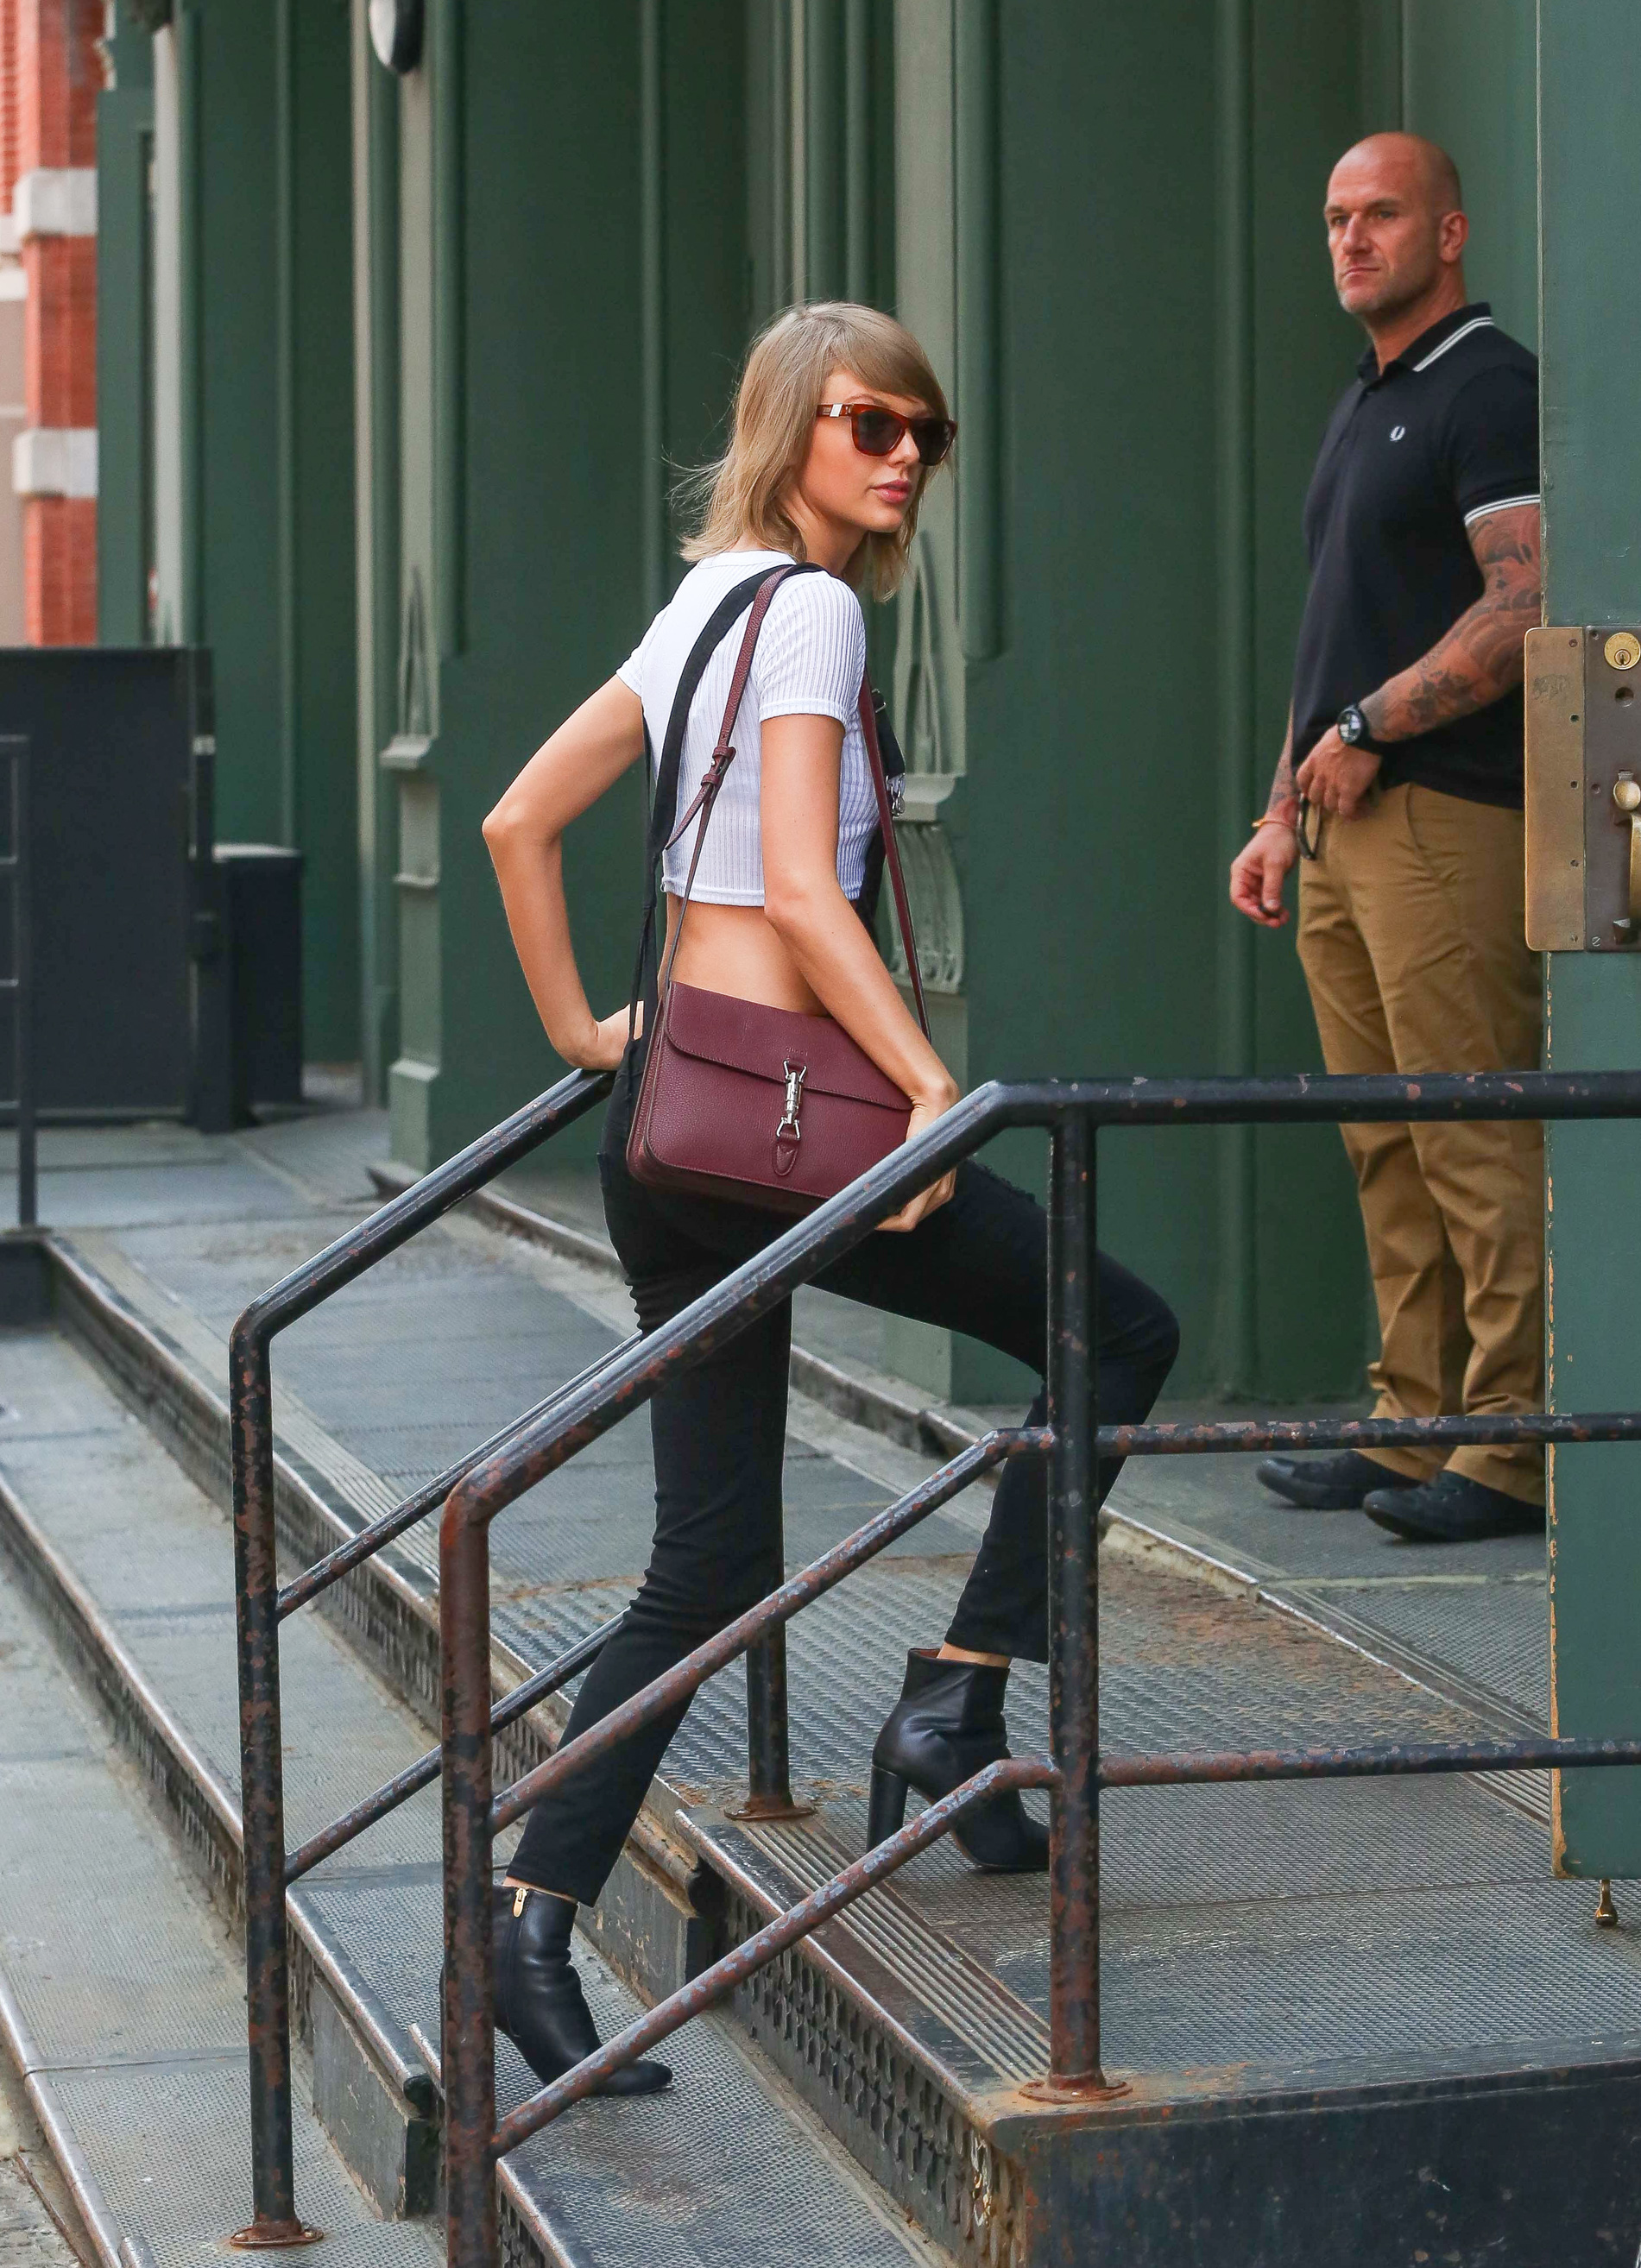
(1413, 457)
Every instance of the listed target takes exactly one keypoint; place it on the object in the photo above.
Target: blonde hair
(742, 497)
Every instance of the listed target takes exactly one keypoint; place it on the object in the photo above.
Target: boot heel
(888, 1811)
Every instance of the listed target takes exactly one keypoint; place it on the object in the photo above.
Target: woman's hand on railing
(604, 1044)
(925, 1110)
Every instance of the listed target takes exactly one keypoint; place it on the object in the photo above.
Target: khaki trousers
(1410, 935)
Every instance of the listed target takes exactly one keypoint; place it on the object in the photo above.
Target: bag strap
(661, 802)
(892, 849)
(717, 770)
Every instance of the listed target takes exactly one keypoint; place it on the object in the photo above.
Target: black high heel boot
(947, 1724)
(539, 2003)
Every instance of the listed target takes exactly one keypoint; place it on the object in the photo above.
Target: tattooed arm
(1262, 867)
(1479, 661)
(1474, 663)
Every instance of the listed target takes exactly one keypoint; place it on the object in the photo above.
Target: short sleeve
(811, 651)
(1493, 447)
(631, 670)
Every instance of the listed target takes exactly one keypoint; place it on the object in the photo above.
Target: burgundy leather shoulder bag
(762, 1106)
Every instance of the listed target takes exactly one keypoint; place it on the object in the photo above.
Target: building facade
(53, 67)
(423, 340)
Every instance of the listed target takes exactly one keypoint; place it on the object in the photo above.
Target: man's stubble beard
(1394, 297)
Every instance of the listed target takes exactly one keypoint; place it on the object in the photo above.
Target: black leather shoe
(539, 2003)
(1451, 1509)
(1337, 1483)
(947, 1725)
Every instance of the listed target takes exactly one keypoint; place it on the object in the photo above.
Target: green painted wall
(1112, 762)
(1470, 83)
(262, 467)
(1591, 193)
(317, 565)
(576, 327)
(1106, 226)
(232, 135)
(378, 592)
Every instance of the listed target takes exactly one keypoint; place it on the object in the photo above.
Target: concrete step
(1380, 1978)
(121, 1995)
(131, 1566)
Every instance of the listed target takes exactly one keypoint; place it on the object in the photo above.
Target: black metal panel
(111, 737)
(264, 917)
(1512, 2170)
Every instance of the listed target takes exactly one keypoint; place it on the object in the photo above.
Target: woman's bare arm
(524, 834)
(821, 930)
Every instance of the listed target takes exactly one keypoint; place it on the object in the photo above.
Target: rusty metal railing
(476, 1489)
(1072, 1112)
(260, 1606)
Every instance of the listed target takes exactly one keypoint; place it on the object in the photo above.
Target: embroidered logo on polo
(1397, 433)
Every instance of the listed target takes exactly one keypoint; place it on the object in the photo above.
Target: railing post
(768, 1749)
(1073, 1617)
(261, 1798)
(467, 2015)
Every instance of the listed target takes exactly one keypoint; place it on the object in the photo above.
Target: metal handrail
(260, 1606)
(767, 1944)
(1073, 1112)
(394, 1792)
(686, 1678)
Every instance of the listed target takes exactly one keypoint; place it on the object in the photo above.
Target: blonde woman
(838, 423)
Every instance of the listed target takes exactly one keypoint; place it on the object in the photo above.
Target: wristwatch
(1355, 731)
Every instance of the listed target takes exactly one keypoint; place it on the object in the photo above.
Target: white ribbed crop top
(811, 657)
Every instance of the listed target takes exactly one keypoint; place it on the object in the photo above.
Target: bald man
(1399, 794)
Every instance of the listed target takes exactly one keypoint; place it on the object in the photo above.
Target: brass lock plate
(1583, 688)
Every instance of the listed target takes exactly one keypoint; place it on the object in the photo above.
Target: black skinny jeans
(979, 1265)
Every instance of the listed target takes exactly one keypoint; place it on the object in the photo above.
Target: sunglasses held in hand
(878, 433)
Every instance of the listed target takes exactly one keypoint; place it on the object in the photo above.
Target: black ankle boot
(947, 1724)
(539, 2003)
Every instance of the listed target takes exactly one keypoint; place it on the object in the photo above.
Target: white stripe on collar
(1475, 323)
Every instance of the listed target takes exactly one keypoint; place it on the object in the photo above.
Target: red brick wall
(50, 76)
(10, 122)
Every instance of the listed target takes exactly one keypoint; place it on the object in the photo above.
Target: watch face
(395, 33)
(1350, 724)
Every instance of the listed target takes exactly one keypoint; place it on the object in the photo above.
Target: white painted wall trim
(55, 460)
(55, 201)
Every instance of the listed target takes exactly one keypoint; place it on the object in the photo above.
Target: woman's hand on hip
(604, 1043)
(924, 1113)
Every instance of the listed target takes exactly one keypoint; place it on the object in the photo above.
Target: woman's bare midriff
(733, 949)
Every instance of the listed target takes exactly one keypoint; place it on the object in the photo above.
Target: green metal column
(1591, 189)
(376, 122)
